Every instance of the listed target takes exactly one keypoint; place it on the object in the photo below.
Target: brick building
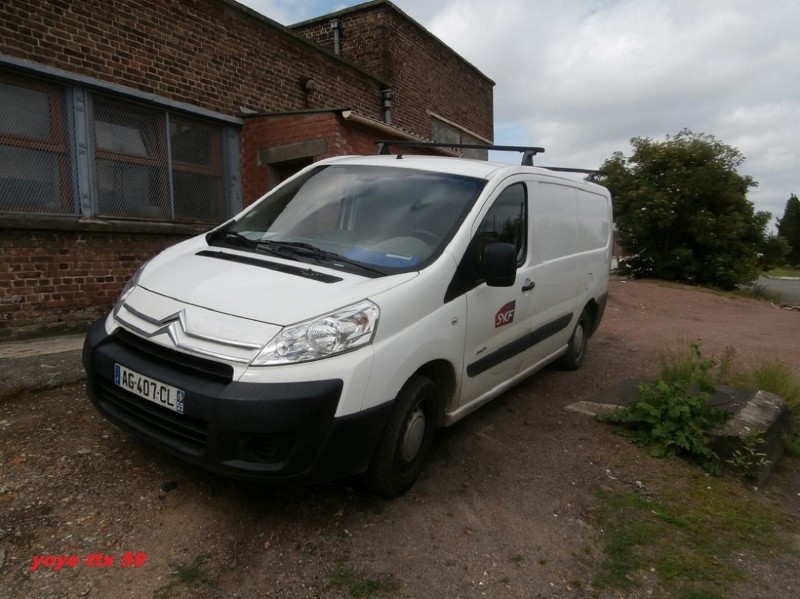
(126, 126)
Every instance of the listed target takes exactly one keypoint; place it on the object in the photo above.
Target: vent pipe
(336, 27)
(387, 95)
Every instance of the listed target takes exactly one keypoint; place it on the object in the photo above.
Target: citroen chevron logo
(169, 325)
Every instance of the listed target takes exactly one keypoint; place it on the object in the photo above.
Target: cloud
(582, 77)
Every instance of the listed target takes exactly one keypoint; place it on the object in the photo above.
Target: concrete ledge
(76, 224)
(41, 347)
(591, 408)
(763, 414)
(40, 364)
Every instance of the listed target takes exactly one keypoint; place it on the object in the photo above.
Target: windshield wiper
(300, 248)
(230, 237)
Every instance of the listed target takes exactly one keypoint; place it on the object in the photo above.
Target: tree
(789, 229)
(773, 253)
(682, 211)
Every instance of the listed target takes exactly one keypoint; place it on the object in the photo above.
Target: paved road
(789, 289)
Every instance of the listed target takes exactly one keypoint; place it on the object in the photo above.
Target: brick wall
(341, 137)
(435, 77)
(209, 53)
(424, 72)
(58, 281)
(281, 131)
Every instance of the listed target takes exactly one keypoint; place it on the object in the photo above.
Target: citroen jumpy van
(330, 328)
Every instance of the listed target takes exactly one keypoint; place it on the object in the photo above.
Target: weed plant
(749, 460)
(672, 416)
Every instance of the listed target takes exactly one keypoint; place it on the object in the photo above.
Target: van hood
(257, 287)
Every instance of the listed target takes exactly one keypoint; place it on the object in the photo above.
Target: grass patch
(769, 375)
(345, 578)
(783, 272)
(191, 575)
(688, 538)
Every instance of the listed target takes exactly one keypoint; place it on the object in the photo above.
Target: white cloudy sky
(582, 77)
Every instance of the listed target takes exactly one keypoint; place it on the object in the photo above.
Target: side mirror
(499, 264)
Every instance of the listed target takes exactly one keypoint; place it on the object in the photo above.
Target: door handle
(528, 285)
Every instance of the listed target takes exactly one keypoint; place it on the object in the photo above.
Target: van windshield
(372, 220)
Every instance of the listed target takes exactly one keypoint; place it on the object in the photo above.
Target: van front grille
(186, 363)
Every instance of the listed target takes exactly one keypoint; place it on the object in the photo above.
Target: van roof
(440, 164)
(466, 167)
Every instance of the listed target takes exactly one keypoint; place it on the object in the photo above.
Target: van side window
(506, 221)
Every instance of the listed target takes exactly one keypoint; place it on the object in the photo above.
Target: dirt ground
(505, 508)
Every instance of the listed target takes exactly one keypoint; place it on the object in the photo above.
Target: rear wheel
(576, 349)
(406, 439)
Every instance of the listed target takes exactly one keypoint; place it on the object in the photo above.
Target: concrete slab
(40, 364)
(40, 347)
(626, 391)
(591, 408)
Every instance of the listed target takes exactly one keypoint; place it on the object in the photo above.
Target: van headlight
(344, 330)
(128, 289)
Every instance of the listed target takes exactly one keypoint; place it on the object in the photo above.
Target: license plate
(148, 388)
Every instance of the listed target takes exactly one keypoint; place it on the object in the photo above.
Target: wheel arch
(591, 310)
(442, 374)
(595, 309)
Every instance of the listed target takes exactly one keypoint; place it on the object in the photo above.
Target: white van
(331, 327)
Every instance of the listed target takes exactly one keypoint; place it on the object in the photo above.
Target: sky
(583, 77)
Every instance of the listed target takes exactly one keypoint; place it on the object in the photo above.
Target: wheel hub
(579, 340)
(415, 433)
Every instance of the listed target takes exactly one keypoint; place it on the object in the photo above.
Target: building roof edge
(376, 3)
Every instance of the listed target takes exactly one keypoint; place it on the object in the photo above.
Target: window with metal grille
(197, 174)
(131, 161)
(34, 154)
(123, 159)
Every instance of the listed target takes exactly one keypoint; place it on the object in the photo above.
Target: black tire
(576, 348)
(406, 439)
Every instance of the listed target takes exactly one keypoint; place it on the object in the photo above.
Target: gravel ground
(505, 508)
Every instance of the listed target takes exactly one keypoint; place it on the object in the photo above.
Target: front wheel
(576, 348)
(406, 439)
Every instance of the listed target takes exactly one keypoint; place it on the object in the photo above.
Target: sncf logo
(505, 315)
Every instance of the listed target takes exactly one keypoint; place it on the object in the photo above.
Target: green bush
(672, 422)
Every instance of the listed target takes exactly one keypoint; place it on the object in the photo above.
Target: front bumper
(276, 431)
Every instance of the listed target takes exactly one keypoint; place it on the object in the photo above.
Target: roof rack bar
(591, 174)
(527, 157)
